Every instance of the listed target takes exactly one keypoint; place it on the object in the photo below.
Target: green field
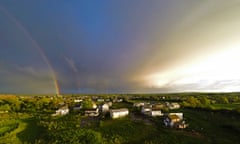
(216, 126)
(226, 106)
(18, 129)
(205, 126)
(29, 121)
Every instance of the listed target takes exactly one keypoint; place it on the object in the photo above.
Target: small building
(120, 100)
(62, 111)
(174, 106)
(175, 120)
(117, 113)
(156, 112)
(78, 100)
(138, 104)
(170, 120)
(92, 112)
(100, 100)
(181, 125)
(158, 106)
(105, 108)
(146, 109)
(151, 110)
(109, 103)
(180, 115)
(77, 107)
(107, 100)
(94, 106)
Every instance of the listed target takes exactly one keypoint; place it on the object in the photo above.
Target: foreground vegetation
(212, 118)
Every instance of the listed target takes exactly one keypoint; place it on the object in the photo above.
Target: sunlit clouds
(217, 72)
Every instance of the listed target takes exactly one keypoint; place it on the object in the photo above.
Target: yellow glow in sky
(221, 66)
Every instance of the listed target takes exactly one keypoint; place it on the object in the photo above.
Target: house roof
(119, 110)
(156, 109)
(105, 104)
(63, 108)
(172, 117)
(147, 106)
(91, 110)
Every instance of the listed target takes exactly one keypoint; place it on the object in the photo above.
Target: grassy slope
(226, 106)
(218, 127)
(31, 131)
(131, 132)
(207, 127)
(26, 130)
(11, 137)
(125, 130)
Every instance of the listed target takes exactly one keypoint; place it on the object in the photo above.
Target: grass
(124, 130)
(8, 128)
(18, 129)
(226, 106)
(216, 126)
(11, 137)
(31, 132)
(205, 126)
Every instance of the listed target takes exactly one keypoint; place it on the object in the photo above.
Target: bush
(80, 136)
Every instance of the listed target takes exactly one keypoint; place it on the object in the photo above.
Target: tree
(204, 101)
(87, 104)
(191, 102)
(5, 107)
(14, 103)
(224, 100)
(78, 136)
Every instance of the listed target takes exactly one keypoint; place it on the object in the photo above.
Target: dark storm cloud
(17, 79)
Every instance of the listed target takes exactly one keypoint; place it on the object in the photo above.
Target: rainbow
(36, 45)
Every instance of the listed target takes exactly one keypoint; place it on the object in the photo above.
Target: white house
(175, 120)
(62, 111)
(170, 120)
(105, 108)
(109, 103)
(146, 109)
(174, 106)
(180, 115)
(156, 112)
(158, 106)
(107, 100)
(139, 104)
(77, 107)
(92, 112)
(120, 100)
(94, 106)
(151, 110)
(117, 113)
(78, 100)
(100, 100)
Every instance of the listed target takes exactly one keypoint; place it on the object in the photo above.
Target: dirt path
(141, 118)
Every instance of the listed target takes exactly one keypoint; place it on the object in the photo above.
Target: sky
(137, 46)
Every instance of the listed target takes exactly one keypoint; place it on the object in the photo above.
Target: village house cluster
(101, 106)
(173, 120)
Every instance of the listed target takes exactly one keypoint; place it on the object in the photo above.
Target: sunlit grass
(226, 106)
